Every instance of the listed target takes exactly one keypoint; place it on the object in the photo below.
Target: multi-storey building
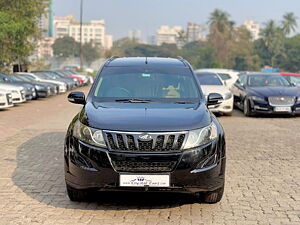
(253, 27)
(94, 31)
(168, 35)
(135, 35)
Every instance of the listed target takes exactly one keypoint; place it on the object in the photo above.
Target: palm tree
(289, 23)
(273, 38)
(220, 20)
(268, 32)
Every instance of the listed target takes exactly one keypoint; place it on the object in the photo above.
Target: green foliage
(66, 47)
(292, 50)
(18, 29)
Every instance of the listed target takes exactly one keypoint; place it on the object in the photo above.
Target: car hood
(273, 91)
(207, 89)
(149, 117)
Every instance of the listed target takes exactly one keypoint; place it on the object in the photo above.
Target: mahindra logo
(145, 137)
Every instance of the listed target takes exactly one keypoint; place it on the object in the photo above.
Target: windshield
(165, 84)
(224, 76)
(22, 78)
(267, 80)
(208, 79)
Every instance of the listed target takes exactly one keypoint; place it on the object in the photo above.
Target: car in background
(84, 80)
(212, 83)
(42, 90)
(30, 92)
(78, 79)
(54, 88)
(266, 93)
(229, 77)
(71, 84)
(293, 78)
(62, 86)
(5, 99)
(17, 91)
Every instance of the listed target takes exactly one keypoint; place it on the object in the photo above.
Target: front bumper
(195, 170)
(263, 107)
(225, 107)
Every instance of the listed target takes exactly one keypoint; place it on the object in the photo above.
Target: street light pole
(81, 15)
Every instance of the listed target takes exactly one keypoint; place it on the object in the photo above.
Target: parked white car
(229, 77)
(18, 92)
(40, 78)
(5, 99)
(212, 83)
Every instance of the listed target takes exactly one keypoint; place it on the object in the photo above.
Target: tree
(219, 20)
(91, 52)
(291, 62)
(220, 37)
(273, 39)
(66, 47)
(19, 29)
(289, 23)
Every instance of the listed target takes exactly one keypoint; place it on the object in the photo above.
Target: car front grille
(281, 101)
(156, 142)
(9, 98)
(132, 166)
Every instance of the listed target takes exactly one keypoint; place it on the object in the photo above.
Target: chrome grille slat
(166, 140)
(131, 142)
(175, 140)
(124, 136)
(115, 140)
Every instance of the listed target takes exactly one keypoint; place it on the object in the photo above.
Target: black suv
(145, 126)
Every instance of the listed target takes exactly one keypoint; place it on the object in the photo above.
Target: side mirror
(77, 97)
(214, 99)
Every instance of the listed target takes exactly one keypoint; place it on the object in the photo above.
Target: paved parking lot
(262, 186)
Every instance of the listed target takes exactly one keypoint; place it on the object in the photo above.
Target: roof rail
(182, 60)
(111, 59)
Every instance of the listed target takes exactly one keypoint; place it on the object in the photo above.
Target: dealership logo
(145, 137)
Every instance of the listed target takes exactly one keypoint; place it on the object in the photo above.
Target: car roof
(260, 73)
(290, 74)
(142, 61)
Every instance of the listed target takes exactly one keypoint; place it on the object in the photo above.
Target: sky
(148, 15)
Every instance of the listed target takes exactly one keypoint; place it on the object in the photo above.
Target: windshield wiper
(134, 100)
(183, 102)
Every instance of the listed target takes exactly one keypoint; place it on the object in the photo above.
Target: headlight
(74, 79)
(88, 135)
(256, 98)
(201, 136)
(227, 95)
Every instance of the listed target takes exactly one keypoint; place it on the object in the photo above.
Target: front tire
(246, 108)
(78, 195)
(212, 197)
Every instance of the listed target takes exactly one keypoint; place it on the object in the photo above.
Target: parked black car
(29, 89)
(145, 126)
(265, 93)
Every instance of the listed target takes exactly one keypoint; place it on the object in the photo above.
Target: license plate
(282, 109)
(144, 180)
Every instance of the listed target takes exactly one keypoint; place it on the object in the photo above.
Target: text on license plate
(144, 180)
(282, 109)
